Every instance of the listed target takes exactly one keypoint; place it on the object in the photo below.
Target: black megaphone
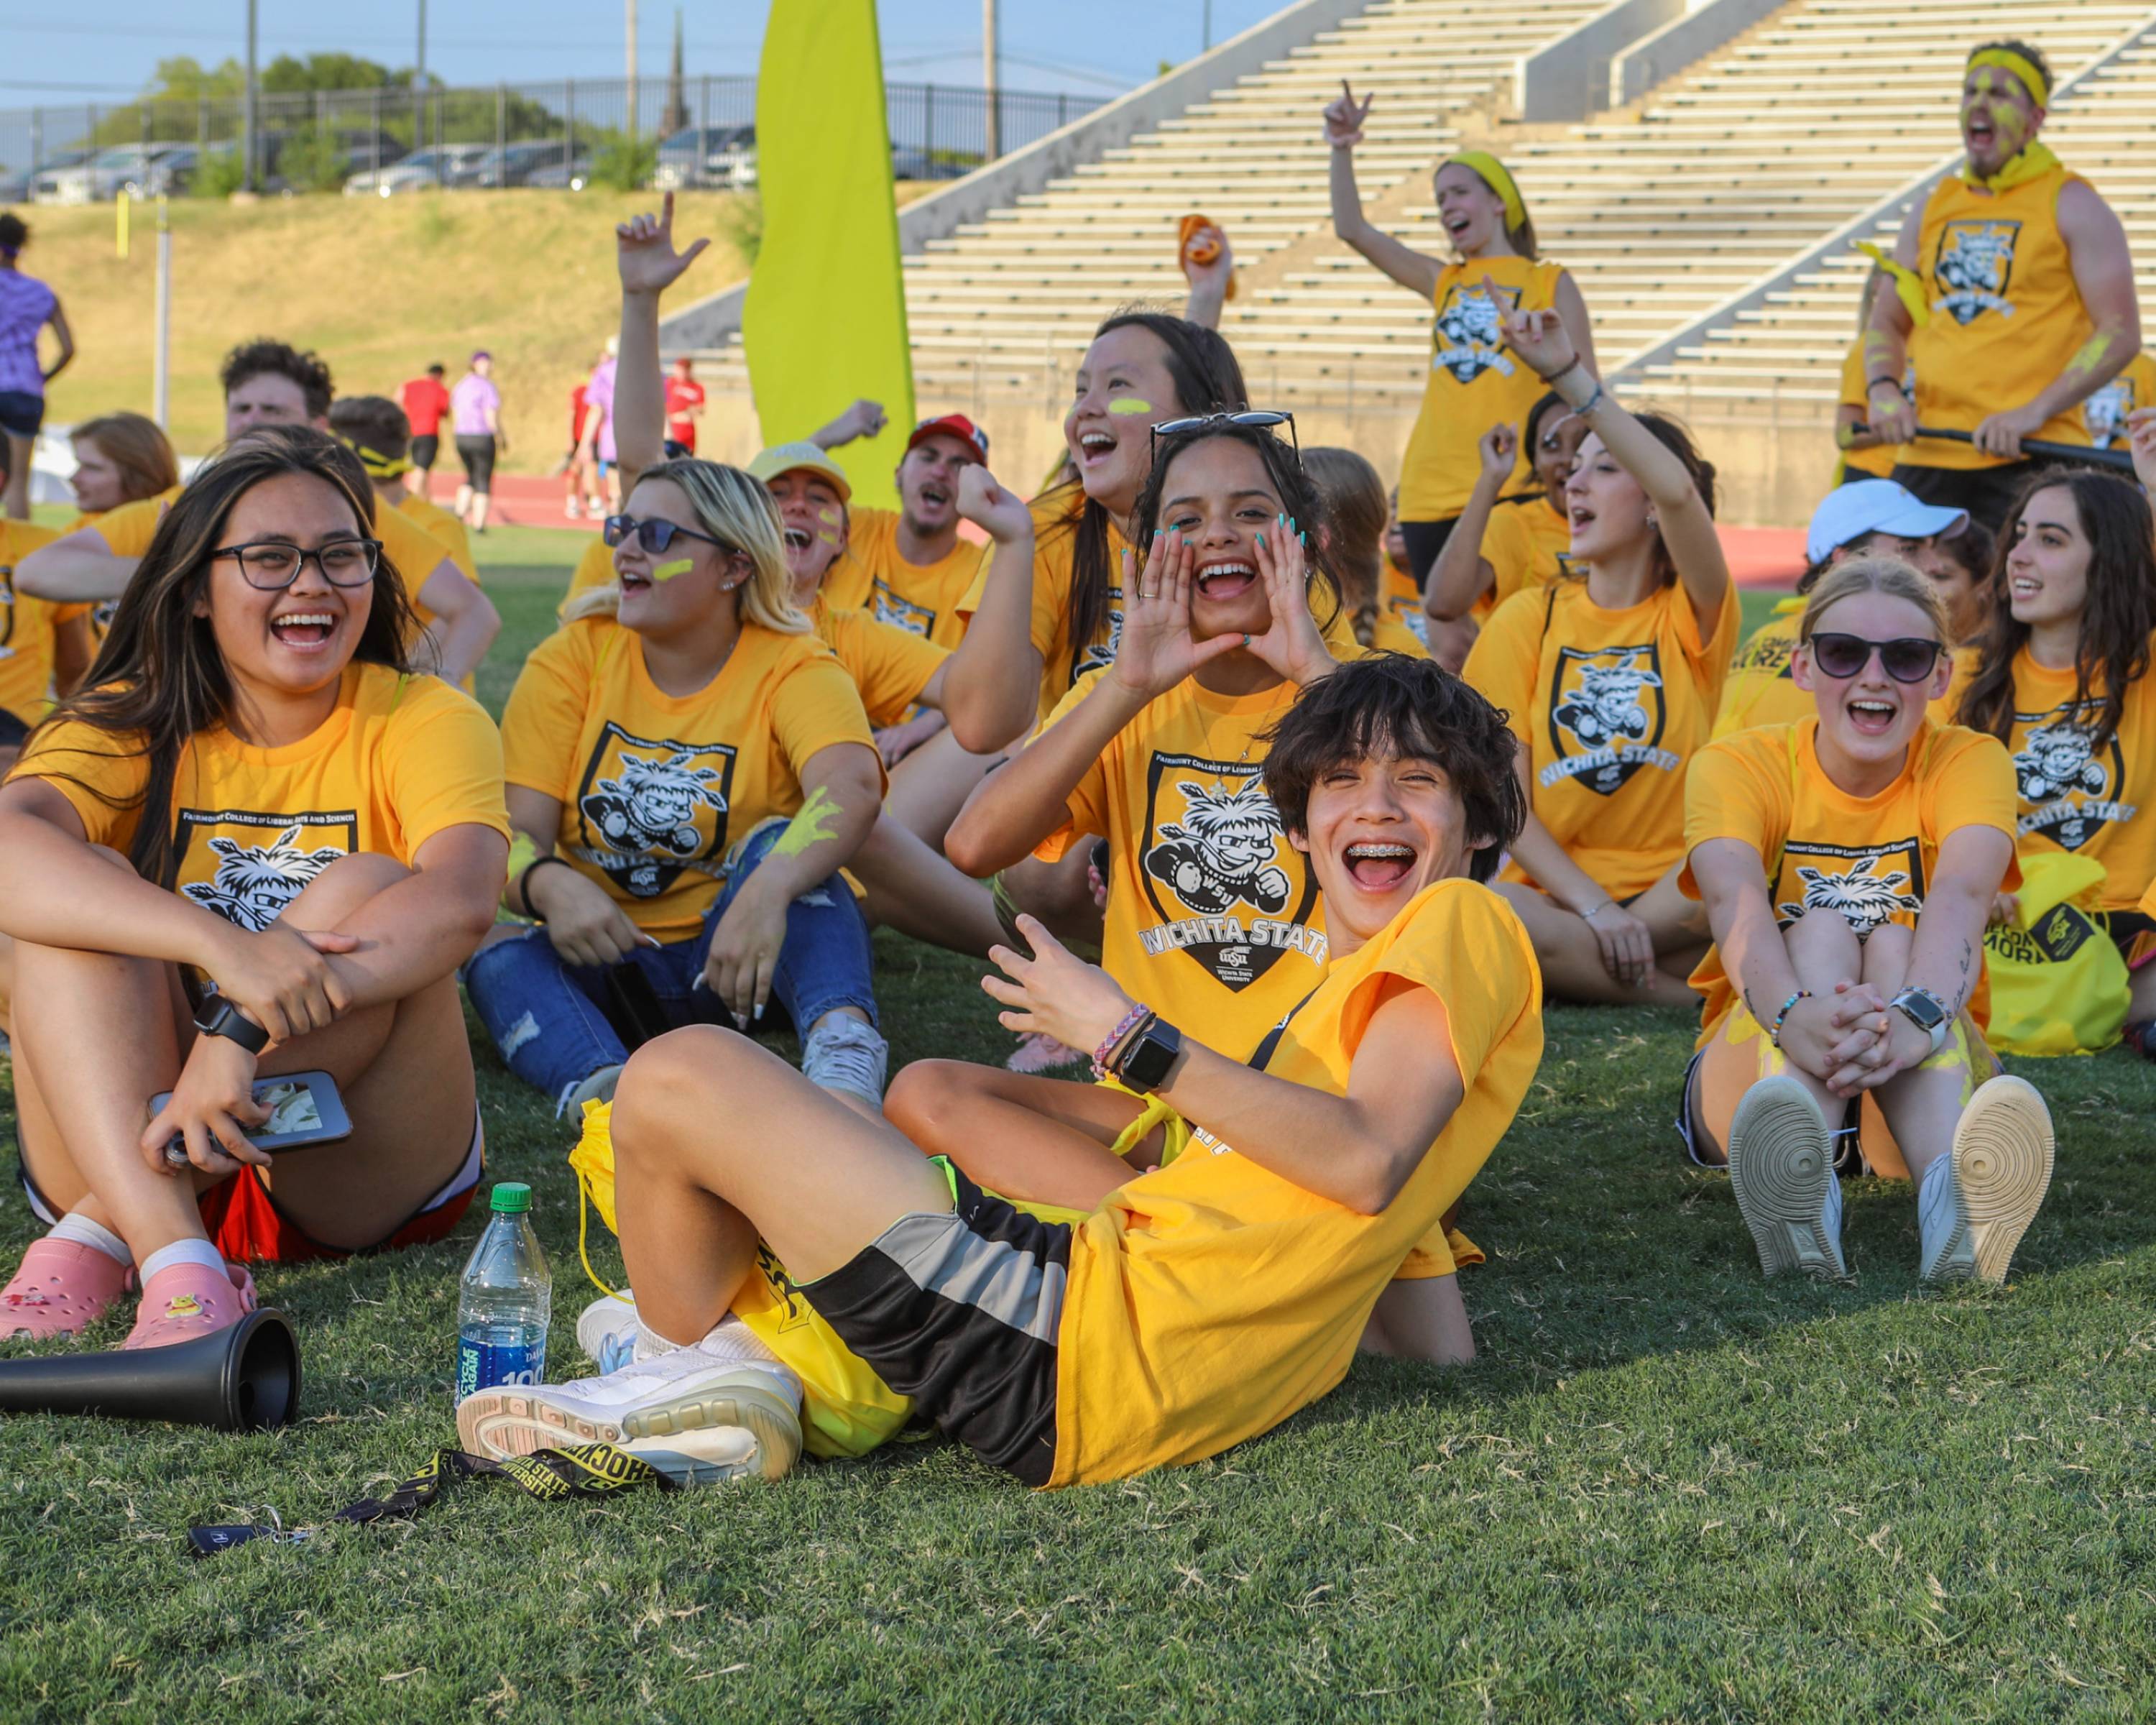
(244, 1379)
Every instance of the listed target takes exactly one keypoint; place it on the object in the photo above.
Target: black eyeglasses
(271, 566)
(1254, 418)
(1908, 659)
(654, 536)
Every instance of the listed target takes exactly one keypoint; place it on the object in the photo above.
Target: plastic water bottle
(506, 1299)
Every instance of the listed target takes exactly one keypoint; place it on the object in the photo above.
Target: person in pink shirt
(475, 416)
(599, 419)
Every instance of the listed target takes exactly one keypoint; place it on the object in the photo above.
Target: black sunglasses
(654, 536)
(1256, 418)
(1907, 659)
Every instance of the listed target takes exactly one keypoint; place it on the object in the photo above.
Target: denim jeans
(548, 1018)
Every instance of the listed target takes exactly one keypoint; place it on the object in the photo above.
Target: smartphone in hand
(305, 1109)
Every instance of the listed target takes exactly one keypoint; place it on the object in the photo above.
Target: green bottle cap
(512, 1198)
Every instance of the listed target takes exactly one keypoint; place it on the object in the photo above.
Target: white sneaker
(703, 1422)
(846, 1054)
(597, 1086)
(1781, 1165)
(1978, 1200)
(607, 1331)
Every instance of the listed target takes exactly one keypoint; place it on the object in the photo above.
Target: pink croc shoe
(60, 1287)
(189, 1300)
(1038, 1052)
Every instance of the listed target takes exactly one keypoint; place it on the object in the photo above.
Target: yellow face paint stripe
(667, 572)
(1130, 405)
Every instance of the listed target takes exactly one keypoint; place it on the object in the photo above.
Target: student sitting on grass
(1499, 548)
(1351, 513)
(1848, 863)
(2062, 678)
(38, 638)
(256, 843)
(1866, 518)
(689, 768)
(1609, 678)
(1196, 1306)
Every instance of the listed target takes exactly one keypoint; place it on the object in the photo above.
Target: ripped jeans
(550, 1020)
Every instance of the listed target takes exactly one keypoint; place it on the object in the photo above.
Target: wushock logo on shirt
(1230, 891)
(2068, 779)
(1865, 885)
(247, 865)
(1606, 716)
(1102, 653)
(1465, 339)
(650, 809)
(2105, 412)
(1975, 268)
(902, 612)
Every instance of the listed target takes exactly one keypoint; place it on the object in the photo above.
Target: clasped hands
(1852, 1040)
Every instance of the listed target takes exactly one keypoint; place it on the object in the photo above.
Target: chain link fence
(661, 132)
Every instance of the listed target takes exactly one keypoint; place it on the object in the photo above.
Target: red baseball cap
(955, 425)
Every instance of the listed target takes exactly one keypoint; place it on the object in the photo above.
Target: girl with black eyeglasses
(1848, 863)
(255, 843)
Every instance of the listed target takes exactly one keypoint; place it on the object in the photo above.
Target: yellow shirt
(1761, 689)
(444, 527)
(922, 598)
(655, 789)
(1209, 1300)
(2006, 316)
(1401, 626)
(1877, 462)
(1610, 706)
(1475, 381)
(1527, 544)
(399, 760)
(2104, 414)
(594, 568)
(890, 666)
(27, 627)
(2073, 793)
(1870, 858)
(1213, 919)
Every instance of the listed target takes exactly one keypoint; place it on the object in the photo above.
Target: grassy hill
(380, 287)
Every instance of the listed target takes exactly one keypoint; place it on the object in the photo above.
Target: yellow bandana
(2021, 65)
(2033, 163)
(1908, 286)
(377, 465)
(1498, 178)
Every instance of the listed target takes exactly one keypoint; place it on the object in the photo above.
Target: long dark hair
(1351, 498)
(1298, 498)
(159, 679)
(2117, 615)
(1203, 367)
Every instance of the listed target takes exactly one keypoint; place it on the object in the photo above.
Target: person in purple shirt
(26, 305)
(476, 417)
(598, 420)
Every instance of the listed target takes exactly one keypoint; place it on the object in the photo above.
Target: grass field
(1669, 1490)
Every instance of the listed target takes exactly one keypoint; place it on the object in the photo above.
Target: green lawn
(1669, 1490)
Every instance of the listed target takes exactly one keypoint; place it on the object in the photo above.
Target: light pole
(246, 110)
(631, 5)
(991, 82)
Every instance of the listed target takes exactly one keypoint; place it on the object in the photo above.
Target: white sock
(78, 1228)
(730, 1339)
(183, 1251)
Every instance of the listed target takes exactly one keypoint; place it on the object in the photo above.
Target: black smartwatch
(223, 1018)
(1143, 1064)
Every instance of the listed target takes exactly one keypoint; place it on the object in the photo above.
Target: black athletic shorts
(425, 450)
(1425, 540)
(960, 1311)
(477, 454)
(1987, 493)
(21, 412)
(13, 732)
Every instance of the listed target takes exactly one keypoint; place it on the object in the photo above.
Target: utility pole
(419, 64)
(991, 81)
(1208, 47)
(631, 5)
(247, 112)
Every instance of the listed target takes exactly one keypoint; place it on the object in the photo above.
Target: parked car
(417, 171)
(716, 155)
(908, 163)
(514, 164)
(103, 176)
(173, 173)
(563, 176)
(17, 187)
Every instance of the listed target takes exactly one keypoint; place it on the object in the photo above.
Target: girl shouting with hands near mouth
(255, 843)
(1474, 382)
(1610, 677)
(1848, 863)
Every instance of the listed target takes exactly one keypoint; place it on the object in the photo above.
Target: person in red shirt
(424, 401)
(685, 404)
(575, 468)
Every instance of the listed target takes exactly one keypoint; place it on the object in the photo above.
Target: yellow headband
(377, 466)
(2021, 65)
(1498, 178)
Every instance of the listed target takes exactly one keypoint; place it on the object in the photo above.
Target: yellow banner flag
(824, 322)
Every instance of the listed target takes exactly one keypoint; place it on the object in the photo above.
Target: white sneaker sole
(516, 1421)
(1781, 1157)
(2003, 1150)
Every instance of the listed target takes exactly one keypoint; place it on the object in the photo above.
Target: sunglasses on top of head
(1908, 659)
(653, 536)
(1252, 418)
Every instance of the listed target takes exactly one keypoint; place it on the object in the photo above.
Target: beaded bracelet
(1131, 1020)
(1782, 1017)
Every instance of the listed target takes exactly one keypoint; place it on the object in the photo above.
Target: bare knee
(681, 1075)
(1824, 946)
(1886, 954)
(342, 888)
(919, 1096)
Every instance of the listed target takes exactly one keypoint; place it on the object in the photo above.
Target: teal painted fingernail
(1261, 538)
(1302, 539)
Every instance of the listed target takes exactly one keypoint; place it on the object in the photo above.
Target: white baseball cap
(1876, 507)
